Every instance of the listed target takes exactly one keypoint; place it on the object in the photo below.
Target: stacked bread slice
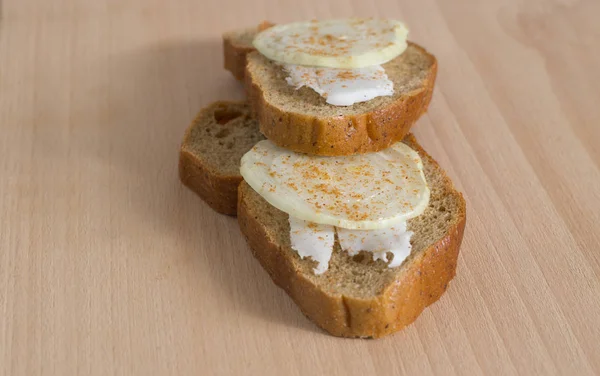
(357, 295)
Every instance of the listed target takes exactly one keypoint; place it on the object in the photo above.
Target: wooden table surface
(108, 265)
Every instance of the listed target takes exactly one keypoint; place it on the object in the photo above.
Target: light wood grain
(109, 266)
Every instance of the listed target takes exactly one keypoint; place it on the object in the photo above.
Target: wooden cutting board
(109, 266)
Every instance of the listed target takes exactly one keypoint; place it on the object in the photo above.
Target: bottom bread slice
(356, 296)
(209, 158)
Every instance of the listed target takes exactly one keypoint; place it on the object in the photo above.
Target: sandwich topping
(346, 43)
(312, 240)
(316, 241)
(342, 87)
(395, 240)
(363, 192)
(339, 59)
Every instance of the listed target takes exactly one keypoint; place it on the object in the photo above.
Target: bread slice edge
(235, 51)
(214, 186)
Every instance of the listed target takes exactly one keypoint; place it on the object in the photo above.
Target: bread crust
(234, 54)
(234, 57)
(422, 283)
(341, 135)
(217, 189)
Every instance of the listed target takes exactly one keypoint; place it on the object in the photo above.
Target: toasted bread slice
(209, 158)
(301, 120)
(359, 297)
(236, 45)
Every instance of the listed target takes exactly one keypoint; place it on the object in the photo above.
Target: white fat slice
(342, 87)
(312, 240)
(395, 240)
(369, 191)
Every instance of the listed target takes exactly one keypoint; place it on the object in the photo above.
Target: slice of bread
(236, 45)
(213, 145)
(301, 120)
(359, 297)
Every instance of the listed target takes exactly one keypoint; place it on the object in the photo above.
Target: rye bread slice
(236, 45)
(359, 297)
(210, 154)
(301, 120)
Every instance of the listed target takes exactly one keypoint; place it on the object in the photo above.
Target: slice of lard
(312, 240)
(341, 87)
(395, 240)
(316, 241)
